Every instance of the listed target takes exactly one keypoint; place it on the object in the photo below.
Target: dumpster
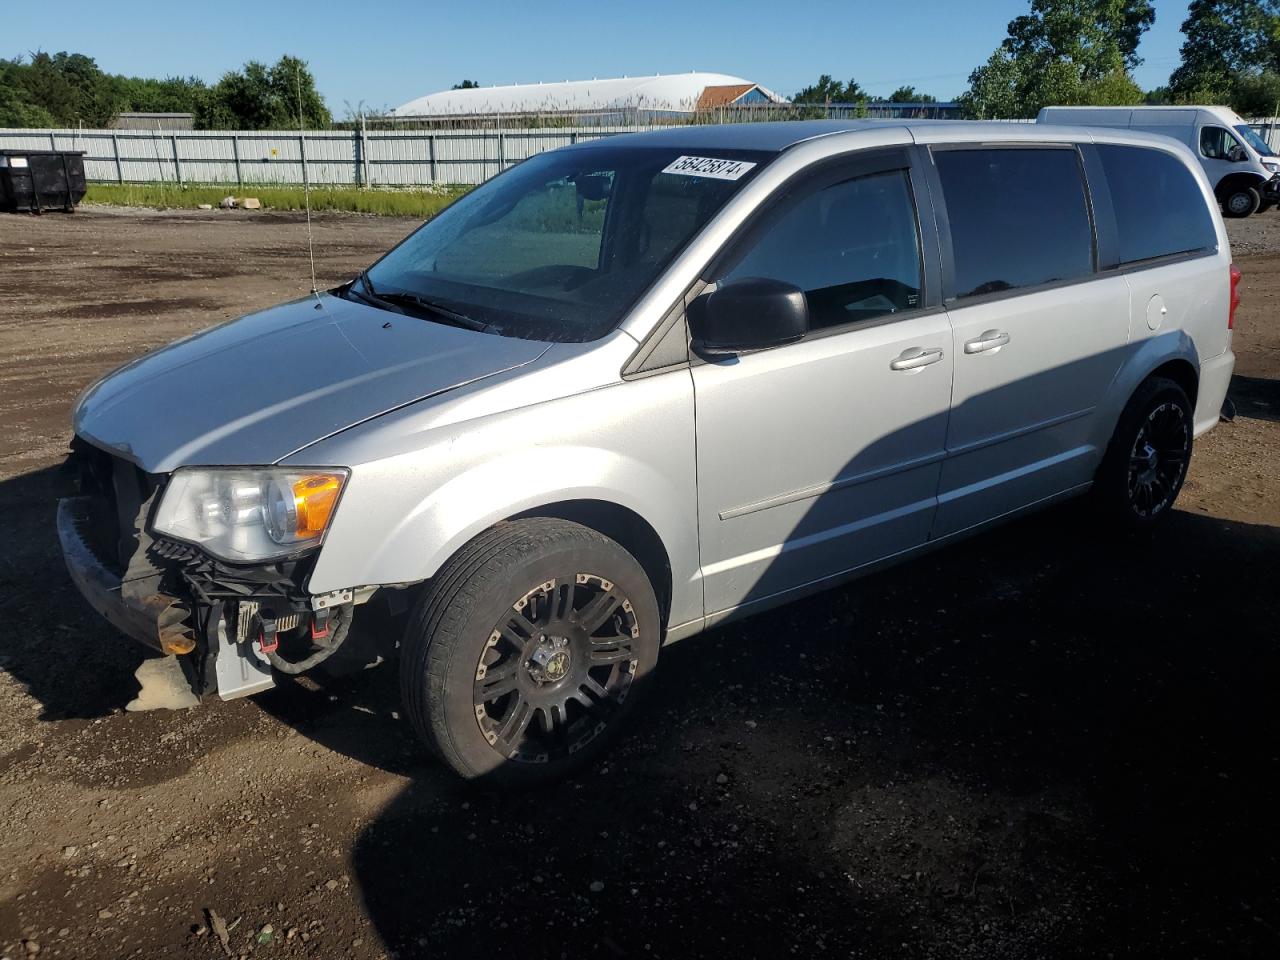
(39, 180)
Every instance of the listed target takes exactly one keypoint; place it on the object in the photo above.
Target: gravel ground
(1038, 743)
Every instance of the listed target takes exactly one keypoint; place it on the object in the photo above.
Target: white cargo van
(1244, 171)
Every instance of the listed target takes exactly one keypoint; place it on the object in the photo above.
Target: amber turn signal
(314, 498)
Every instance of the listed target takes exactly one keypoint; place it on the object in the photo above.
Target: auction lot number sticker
(708, 167)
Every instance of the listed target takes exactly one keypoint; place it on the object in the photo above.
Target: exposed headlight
(1272, 165)
(248, 515)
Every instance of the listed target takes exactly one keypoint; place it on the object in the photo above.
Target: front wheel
(528, 650)
(1146, 461)
(1242, 202)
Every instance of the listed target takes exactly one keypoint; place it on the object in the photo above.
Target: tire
(1146, 461)
(1240, 203)
(505, 672)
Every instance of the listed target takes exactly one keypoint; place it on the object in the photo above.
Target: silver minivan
(1243, 169)
(634, 388)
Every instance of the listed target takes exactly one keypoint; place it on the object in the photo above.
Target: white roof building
(659, 94)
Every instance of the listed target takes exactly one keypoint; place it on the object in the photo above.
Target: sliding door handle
(990, 340)
(913, 358)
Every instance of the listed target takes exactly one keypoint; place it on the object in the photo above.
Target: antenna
(306, 182)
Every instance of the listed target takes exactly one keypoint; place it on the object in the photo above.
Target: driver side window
(1217, 144)
(852, 247)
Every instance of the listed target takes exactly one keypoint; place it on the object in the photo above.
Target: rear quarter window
(1159, 208)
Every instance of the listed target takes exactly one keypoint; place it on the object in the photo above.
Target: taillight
(1235, 297)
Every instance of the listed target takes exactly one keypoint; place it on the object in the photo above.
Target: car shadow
(74, 663)
(1256, 397)
(1041, 737)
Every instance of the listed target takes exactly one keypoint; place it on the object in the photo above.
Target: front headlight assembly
(247, 515)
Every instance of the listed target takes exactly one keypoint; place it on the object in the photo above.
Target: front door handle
(913, 358)
(989, 340)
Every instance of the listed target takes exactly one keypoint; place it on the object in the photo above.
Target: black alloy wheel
(1147, 458)
(1158, 459)
(528, 649)
(556, 668)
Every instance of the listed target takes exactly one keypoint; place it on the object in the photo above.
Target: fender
(1234, 181)
(1143, 358)
(402, 516)
(472, 501)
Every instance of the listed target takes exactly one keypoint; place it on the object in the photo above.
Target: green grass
(424, 202)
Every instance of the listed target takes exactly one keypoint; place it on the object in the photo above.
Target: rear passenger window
(1018, 217)
(852, 248)
(1159, 208)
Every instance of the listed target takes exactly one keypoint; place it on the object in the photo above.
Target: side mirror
(748, 314)
(1238, 155)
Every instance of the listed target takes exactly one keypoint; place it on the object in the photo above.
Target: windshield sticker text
(708, 167)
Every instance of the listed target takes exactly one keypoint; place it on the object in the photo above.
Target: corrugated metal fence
(393, 158)
(349, 157)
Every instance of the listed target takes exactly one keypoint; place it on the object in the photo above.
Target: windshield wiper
(421, 303)
(397, 301)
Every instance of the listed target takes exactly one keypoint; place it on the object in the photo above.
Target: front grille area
(119, 496)
(120, 500)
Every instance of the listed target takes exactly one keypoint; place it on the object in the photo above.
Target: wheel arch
(626, 528)
(1181, 372)
(1235, 181)
(1172, 354)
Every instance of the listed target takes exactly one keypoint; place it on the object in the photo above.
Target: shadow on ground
(1044, 742)
(1256, 397)
(71, 660)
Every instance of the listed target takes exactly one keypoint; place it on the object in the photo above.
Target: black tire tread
(437, 622)
(1112, 473)
(1255, 207)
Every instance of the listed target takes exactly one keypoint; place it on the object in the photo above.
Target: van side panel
(1178, 309)
(1195, 292)
(1181, 125)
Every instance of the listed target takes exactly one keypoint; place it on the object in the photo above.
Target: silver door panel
(818, 457)
(1022, 410)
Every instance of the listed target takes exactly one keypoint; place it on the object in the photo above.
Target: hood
(262, 387)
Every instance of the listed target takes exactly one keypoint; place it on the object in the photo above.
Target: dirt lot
(1040, 743)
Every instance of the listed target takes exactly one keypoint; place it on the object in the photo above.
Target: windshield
(559, 247)
(1255, 141)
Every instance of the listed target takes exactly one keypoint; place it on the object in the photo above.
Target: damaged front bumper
(232, 627)
(162, 622)
(155, 619)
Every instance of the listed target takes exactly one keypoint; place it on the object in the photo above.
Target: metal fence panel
(374, 157)
(394, 158)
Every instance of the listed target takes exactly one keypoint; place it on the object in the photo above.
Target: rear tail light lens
(1235, 297)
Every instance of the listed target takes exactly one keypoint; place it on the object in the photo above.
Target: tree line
(1069, 52)
(70, 89)
(1059, 52)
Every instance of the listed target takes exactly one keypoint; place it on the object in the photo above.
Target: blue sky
(384, 53)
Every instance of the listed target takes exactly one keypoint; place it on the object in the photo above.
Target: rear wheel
(1147, 459)
(1241, 202)
(528, 650)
